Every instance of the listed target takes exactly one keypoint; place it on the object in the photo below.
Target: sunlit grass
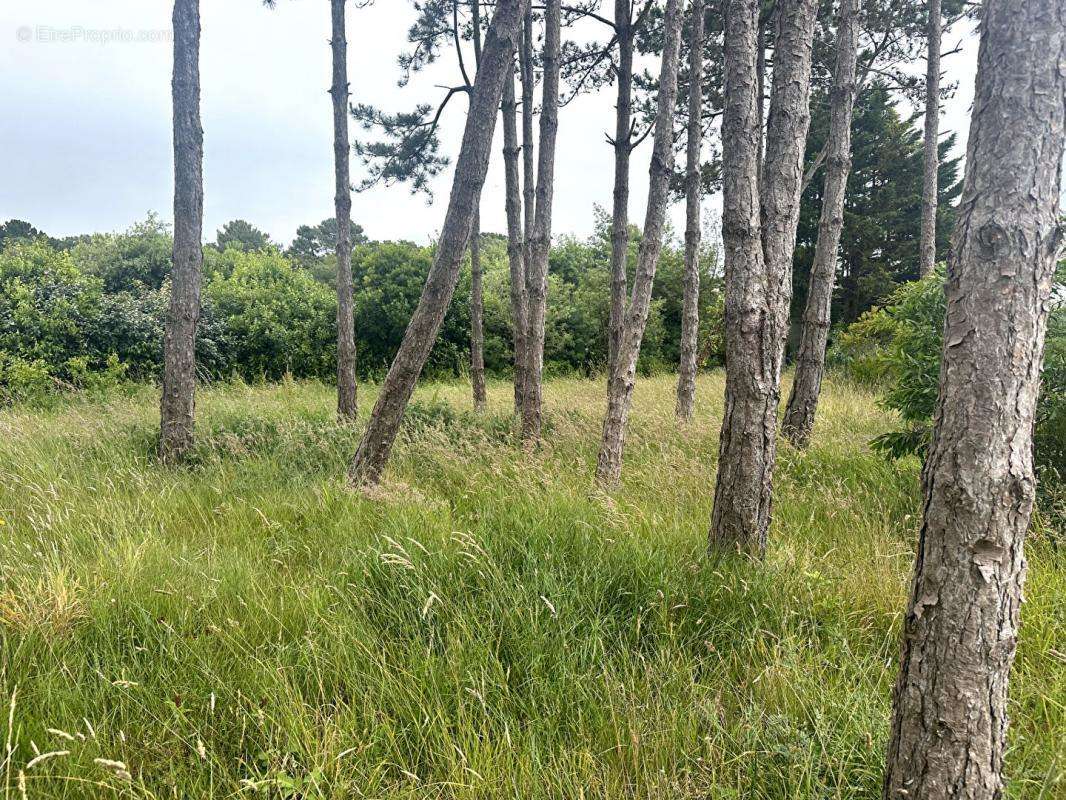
(485, 625)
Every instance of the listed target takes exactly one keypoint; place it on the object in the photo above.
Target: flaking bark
(960, 631)
(810, 358)
(470, 168)
(177, 404)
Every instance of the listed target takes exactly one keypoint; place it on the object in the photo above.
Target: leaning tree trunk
(927, 248)
(477, 325)
(515, 262)
(741, 512)
(347, 406)
(949, 720)
(470, 168)
(781, 187)
(177, 405)
(537, 285)
(810, 359)
(690, 313)
(620, 382)
(623, 147)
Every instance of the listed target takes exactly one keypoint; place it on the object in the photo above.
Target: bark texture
(515, 260)
(529, 188)
(623, 147)
(537, 279)
(810, 358)
(780, 190)
(177, 406)
(949, 718)
(477, 325)
(620, 381)
(690, 315)
(927, 247)
(470, 168)
(347, 405)
(741, 512)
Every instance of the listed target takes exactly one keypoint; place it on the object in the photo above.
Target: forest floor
(482, 626)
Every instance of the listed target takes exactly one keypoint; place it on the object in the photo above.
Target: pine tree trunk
(620, 385)
(347, 405)
(949, 719)
(927, 248)
(780, 191)
(513, 202)
(690, 314)
(529, 188)
(741, 512)
(470, 168)
(810, 359)
(623, 147)
(477, 326)
(537, 285)
(760, 96)
(177, 405)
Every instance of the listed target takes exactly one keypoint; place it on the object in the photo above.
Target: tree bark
(529, 188)
(781, 187)
(470, 168)
(347, 404)
(927, 248)
(690, 315)
(477, 326)
(741, 512)
(620, 386)
(623, 147)
(810, 359)
(760, 96)
(177, 405)
(537, 285)
(515, 262)
(949, 720)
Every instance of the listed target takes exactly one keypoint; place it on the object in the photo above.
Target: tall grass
(485, 625)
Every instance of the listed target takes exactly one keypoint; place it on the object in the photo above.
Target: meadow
(483, 625)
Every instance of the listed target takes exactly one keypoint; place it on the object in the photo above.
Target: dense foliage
(93, 312)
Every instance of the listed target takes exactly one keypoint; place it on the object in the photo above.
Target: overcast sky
(86, 132)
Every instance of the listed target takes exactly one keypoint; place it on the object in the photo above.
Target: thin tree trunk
(810, 359)
(470, 168)
(537, 285)
(927, 249)
(949, 720)
(741, 512)
(623, 147)
(477, 326)
(513, 202)
(529, 183)
(690, 314)
(620, 388)
(780, 191)
(347, 405)
(177, 405)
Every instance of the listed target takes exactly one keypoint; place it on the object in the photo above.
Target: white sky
(86, 133)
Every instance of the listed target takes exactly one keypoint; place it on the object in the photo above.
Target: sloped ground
(482, 626)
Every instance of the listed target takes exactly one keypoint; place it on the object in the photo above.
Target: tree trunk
(760, 96)
(537, 285)
(690, 319)
(177, 406)
(513, 202)
(347, 406)
(949, 718)
(741, 512)
(623, 147)
(470, 169)
(810, 359)
(620, 382)
(927, 249)
(529, 188)
(477, 327)
(780, 191)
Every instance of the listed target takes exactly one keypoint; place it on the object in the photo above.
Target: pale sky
(86, 132)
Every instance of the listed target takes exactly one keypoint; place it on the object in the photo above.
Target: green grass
(483, 626)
